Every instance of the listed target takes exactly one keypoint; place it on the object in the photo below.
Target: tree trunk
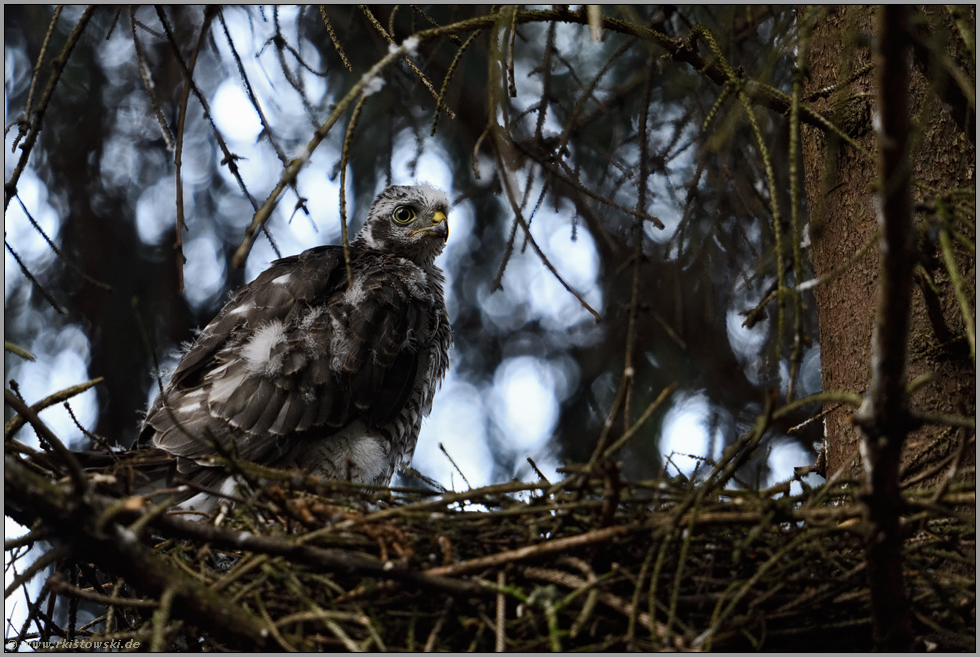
(840, 184)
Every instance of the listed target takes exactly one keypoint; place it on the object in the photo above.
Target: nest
(589, 563)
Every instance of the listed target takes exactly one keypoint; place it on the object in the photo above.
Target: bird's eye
(403, 214)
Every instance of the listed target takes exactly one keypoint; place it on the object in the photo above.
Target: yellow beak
(440, 226)
(440, 223)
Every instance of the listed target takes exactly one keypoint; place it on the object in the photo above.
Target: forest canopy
(533, 371)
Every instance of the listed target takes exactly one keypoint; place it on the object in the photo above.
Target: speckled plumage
(300, 369)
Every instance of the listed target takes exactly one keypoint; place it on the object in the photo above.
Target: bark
(839, 187)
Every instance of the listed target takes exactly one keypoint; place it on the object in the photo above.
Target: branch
(17, 421)
(289, 176)
(116, 548)
(74, 468)
(320, 558)
(179, 147)
(228, 158)
(883, 417)
(678, 50)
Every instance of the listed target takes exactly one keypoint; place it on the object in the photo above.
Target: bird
(314, 366)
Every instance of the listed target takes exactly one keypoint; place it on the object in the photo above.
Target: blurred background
(639, 208)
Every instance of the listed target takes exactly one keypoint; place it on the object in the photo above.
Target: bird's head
(409, 221)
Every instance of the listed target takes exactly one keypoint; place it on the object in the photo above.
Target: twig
(29, 276)
(59, 585)
(500, 642)
(248, 86)
(160, 619)
(18, 351)
(333, 38)
(272, 625)
(637, 235)
(606, 598)
(430, 643)
(537, 471)
(16, 422)
(98, 440)
(78, 479)
(421, 12)
(228, 158)
(179, 149)
(312, 556)
(944, 419)
(647, 414)
(295, 81)
(26, 120)
(506, 176)
(511, 40)
(42, 562)
(542, 109)
(446, 453)
(344, 155)
(950, 84)
(959, 290)
(76, 517)
(31, 537)
(58, 66)
(61, 256)
(288, 177)
(422, 77)
(588, 92)
(796, 357)
(548, 547)
(843, 268)
(445, 84)
(571, 178)
(168, 136)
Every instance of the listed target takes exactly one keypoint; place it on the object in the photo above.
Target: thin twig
(14, 424)
(26, 120)
(267, 129)
(42, 562)
(506, 177)
(61, 256)
(636, 231)
(228, 158)
(442, 448)
(141, 66)
(288, 177)
(59, 585)
(78, 479)
(959, 291)
(58, 66)
(500, 643)
(179, 149)
(29, 276)
(445, 83)
(415, 69)
(333, 38)
(344, 155)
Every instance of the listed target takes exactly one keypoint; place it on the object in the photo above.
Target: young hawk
(302, 369)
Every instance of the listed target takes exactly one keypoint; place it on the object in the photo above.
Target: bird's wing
(295, 351)
(270, 296)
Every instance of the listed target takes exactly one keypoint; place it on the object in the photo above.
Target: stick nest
(590, 563)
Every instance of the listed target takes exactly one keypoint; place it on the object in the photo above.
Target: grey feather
(301, 369)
